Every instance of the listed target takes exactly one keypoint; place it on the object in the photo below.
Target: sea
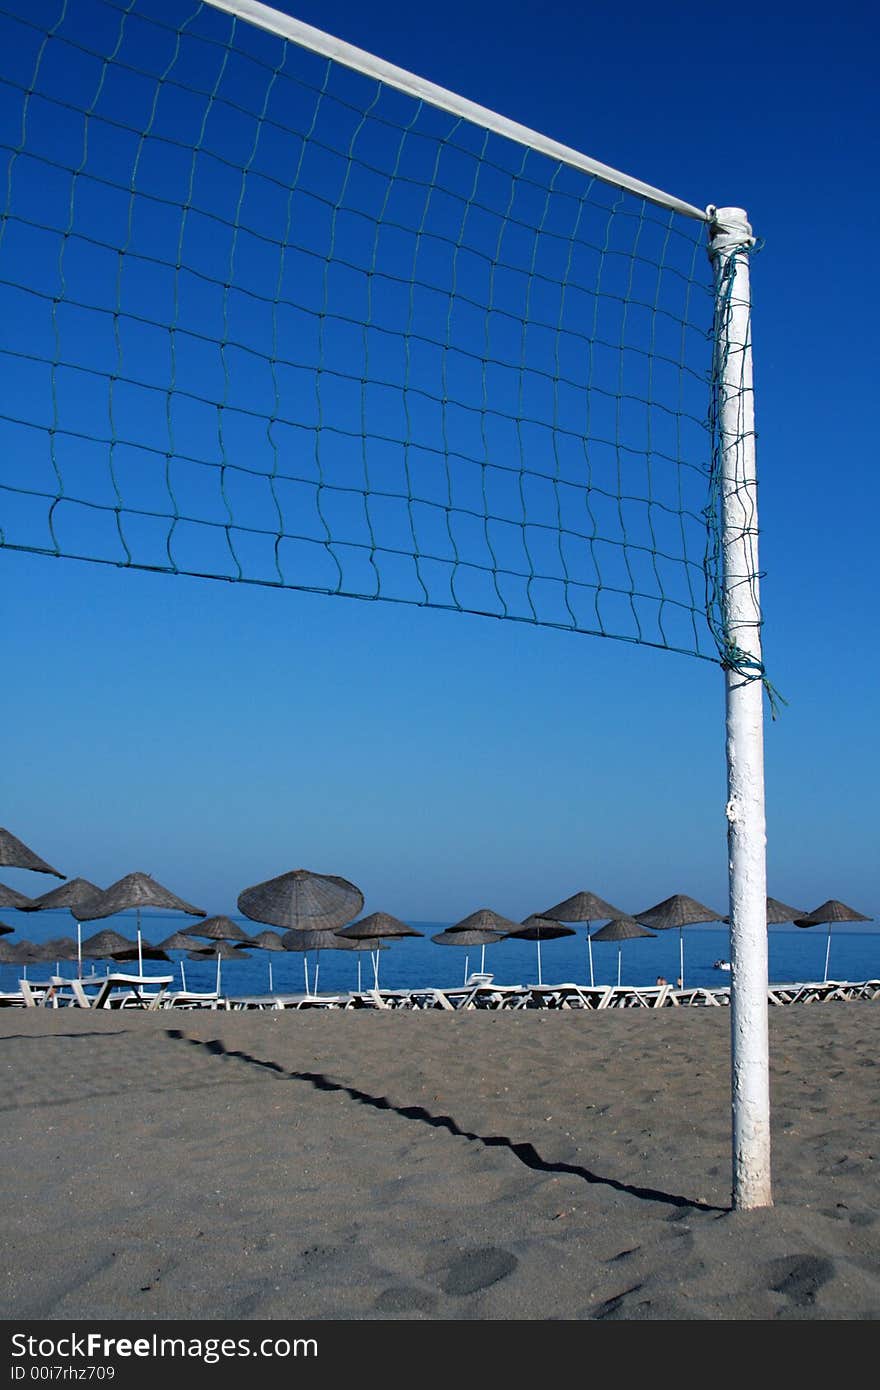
(418, 962)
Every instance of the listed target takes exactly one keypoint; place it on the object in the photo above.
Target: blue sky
(215, 734)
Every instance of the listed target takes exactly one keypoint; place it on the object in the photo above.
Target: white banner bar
(308, 37)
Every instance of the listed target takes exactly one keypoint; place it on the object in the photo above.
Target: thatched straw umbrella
(10, 897)
(540, 929)
(219, 929)
(828, 913)
(483, 920)
(368, 943)
(104, 944)
(317, 941)
(222, 950)
(75, 893)
(469, 937)
(678, 911)
(264, 941)
(144, 950)
(137, 891)
(302, 901)
(16, 855)
(178, 941)
(621, 929)
(583, 907)
(59, 949)
(779, 912)
(377, 926)
(23, 953)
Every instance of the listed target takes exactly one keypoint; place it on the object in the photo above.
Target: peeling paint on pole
(731, 238)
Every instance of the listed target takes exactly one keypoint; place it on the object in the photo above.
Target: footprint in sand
(404, 1300)
(478, 1269)
(800, 1277)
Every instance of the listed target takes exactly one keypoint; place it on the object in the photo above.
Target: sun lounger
(500, 997)
(239, 1002)
(279, 1002)
(190, 999)
(33, 994)
(122, 991)
(637, 996)
(797, 992)
(368, 999)
(79, 998)
(568, 995)
(429, 999)
(699, 996)
(482, 996)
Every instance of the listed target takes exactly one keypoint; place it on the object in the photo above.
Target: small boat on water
(721, 965)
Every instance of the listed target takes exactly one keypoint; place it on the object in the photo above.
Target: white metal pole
(619, 953)
(590, 954)
(681, 955)
(540, 981)
(731, 238)
(827, 952)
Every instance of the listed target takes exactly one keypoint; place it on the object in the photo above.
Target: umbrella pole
(317, 969)
(218, 972)
(590, 953)
(360, 985)
(681, 955)
(182, 975)
(465, 969)
(619, 953)
(271, 986)
(306, 969)
(375, 955)
(538, 944)
(140, 947)
(827, 953)
(79, 951)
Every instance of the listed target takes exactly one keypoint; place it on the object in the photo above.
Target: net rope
(265, 319)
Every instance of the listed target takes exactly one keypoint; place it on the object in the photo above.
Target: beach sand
(428, 1165)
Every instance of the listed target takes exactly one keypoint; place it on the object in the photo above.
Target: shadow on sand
(527, 1154)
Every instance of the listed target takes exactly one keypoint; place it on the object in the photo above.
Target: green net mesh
(265, 319)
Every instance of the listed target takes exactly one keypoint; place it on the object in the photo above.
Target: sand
(430, 1166)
